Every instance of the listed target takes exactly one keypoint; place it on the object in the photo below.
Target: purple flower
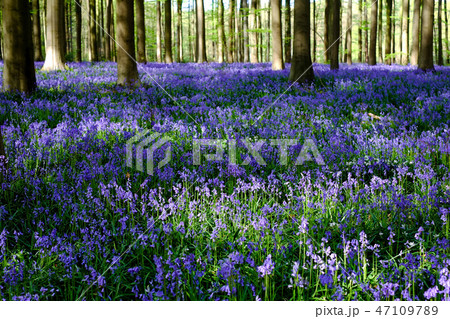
(267, 267)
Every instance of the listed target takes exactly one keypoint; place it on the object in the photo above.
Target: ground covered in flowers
(371, 224)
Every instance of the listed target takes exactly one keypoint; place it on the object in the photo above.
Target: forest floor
(335, 191)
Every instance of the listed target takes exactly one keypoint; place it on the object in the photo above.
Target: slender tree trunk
(366, 37)
(93, 44)
(373, 34)
(253, 34)
(446, 32)
(158, 32)
(168, 31)
(439, 25)
(334, 34)
(245, 31)
(260, 37)
(37, 31)
(127, 73)
(394, 60)
(426, 48)
(349, 33)
(327, 22)
(301, 69)
(268, 32)
(314, 32)
(201, 37)
(113, 35)
(18, 72)
(360, 34)
(380, 31)
(221, 33)
(78, 18)
(191, 56)
(287, 36)
(231, 32)
(388, 39)
(277, 51)
(179, 28)
(54, 46)
(140, 26)
(405, 33)
(416, 32)
(108, 30)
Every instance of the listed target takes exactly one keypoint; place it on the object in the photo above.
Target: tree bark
(108, 30)
(93, 44)
(388, 37)
(18, 72)
(253, 34)
(349, 33)
(201, 37)
(301, 68)
(78, 18)
(439, 25)
(277, 47)
(446, 32)
(245, 31)
(54, 46)
(140, 26)
(373, 34)
(37, 31)
(405, 33)
(127, 73)
(326, 23)
(314, 31)
(380, 33)
(360, 34)
(168, 31)
(221, 33)
(231, 43)
(287, 35)
(426, 48)
(366, 38)
(334, 34)
(158, 32)
(179, 28)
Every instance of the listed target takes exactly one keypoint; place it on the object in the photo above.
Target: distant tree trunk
(259, 35)
(326, 23)
(54, 46)
(113, 35)
(201, 37)
(268, 32)
(334, 34)
(158, 32)
(426, 48)
(78, 29)
(179, 28)
(287, 35)
(393, 33)
(314, 32)
(127, 73)
(349, 33)
(108, 30)
(301, 69)
(168, 31)
(253, 34)
(360, 34)
(140, 26)
(221, 33)
(446, 32)
(439, 25)
(277, 47)
(231, 27)
(37, 31)
(18, 72)
(93, 44)
(405, 33)
(373, 34)
(245, 31)
(380, 31)
(388, 39)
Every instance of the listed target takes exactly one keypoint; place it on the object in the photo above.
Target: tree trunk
(18, 72)
(314, 31)
(253, 34)
(179, 28)
(37, 31)
(360, 34)
(168, 31)
(349, 33)
(301, 68)
(380, 33)
(405, 33)
(221, 33)
(326, 23)
(373, 34)
(201, 37)
(334, 34)
(231, 27)
(426, 48)
(268, 32)
(388, 37)
(158, 32)
(287, 35)
(245, 31)
(93, 44)
(127, 73)
(393, 33)
(439, 25)
(446, 32)
(140, 26)
(78, 29)
(366, 38)
(108, 30)
(54, 46)
(113, 34)
(416, 31)
(277, 47)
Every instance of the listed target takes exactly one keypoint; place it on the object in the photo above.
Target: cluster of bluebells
(370, 224)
